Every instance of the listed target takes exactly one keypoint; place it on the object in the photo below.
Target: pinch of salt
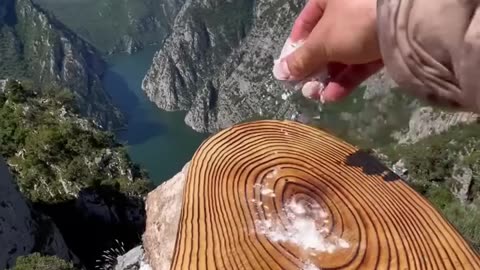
(343, 244)
(313, 86)
(266, 191)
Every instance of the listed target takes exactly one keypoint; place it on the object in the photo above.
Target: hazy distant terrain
(114, 25)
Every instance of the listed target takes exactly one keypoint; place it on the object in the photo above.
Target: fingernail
(287, 48)
(280, 67)
(281, 70)
(322, 98)
(311, 89)
(326, 95)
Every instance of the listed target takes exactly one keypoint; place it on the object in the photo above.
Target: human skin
(339, 36)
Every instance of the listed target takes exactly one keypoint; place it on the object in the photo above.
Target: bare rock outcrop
(427, 121)
(22, 230)
(163, 215)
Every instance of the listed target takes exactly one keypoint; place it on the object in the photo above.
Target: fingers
(312, 89)
(308, 18)
(342, 85)
(311, 56)
(334, 69)
(303, 26)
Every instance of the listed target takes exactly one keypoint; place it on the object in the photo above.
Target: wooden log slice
(282, 195)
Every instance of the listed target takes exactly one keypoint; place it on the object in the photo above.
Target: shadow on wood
(282, 195)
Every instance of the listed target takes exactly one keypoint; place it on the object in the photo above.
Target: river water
(157, 140)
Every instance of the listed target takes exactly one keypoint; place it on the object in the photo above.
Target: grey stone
(2, 85)
(131, 260)
(58, 57)
(427, 121)
(463, 177)
(221, 73)
(21, 229)
(400, 169)
(163, 207)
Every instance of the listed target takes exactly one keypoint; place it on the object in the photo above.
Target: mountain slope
(70, 170)
(217, 62)
(36, 46)
(116, 26)
(23, 230)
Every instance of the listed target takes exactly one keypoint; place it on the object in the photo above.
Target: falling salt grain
(285, 96)
(266, 191)
(297, 208)
(310, 266)
(343, 244)
(324, 231)
(330, 248)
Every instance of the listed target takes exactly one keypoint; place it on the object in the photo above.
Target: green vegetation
(55, 153)
(464, 217)
(35, 46)
(433, 158)
(365, 123)
(431, 163)
(37, 261)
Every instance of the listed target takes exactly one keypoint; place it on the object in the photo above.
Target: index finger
(308, 18)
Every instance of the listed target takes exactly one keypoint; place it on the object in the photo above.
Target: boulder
(163, 209)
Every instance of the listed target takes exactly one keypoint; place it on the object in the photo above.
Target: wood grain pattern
(386, 223)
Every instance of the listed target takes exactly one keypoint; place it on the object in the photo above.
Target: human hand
(339, 36)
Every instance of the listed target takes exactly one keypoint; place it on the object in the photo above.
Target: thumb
(309, 58)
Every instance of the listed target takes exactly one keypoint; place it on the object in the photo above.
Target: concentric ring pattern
(282, 195)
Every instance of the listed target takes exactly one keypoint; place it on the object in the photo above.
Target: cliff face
(219, 71)
(23, 231)
(71, 171)
(217, 62)
(116, 26)
(36, 46)
(2, 85)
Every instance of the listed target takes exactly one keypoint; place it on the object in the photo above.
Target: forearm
(432, 49)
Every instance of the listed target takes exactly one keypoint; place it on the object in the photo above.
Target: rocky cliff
(217, 62)
(2, 85)
(22, 230)
(117, 26)
(71, 171)
(219, 71)
(163, 206)
(36, 46)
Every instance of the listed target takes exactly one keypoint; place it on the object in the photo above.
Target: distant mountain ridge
(36, 46)
(115, 26)
(217, 62)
